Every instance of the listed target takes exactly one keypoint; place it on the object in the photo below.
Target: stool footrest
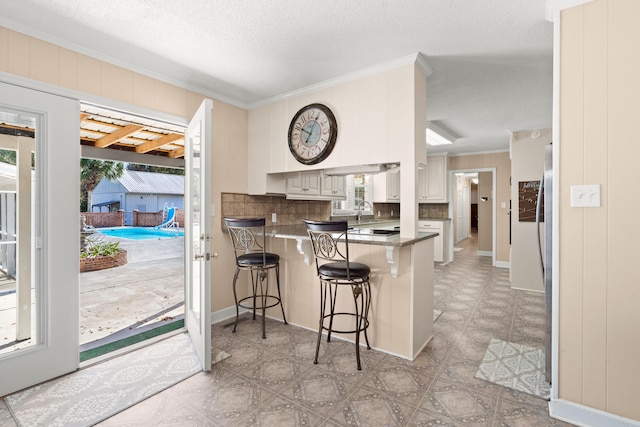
(364, 327)
(258, 299)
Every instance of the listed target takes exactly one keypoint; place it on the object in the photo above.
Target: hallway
(274, 382)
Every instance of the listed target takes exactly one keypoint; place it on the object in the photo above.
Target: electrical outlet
(274, 217)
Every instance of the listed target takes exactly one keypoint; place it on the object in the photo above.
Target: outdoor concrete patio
(148, 289)
(118, 301)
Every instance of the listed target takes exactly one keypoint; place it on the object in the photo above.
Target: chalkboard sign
(527, 200)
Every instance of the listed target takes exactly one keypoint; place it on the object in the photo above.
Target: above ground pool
(141, 233)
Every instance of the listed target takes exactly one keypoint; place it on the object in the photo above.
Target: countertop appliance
(545, 192)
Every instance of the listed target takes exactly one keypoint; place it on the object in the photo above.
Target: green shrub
(95, 249)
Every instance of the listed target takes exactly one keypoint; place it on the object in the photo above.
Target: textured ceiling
(491, 59)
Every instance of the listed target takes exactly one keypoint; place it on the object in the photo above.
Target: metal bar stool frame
(248, 241)
(334, 271)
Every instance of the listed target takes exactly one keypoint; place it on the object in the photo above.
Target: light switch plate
(585, 196)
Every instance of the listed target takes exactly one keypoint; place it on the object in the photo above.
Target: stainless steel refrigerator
(545, 193)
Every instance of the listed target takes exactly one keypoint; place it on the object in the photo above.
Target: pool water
(141, 233)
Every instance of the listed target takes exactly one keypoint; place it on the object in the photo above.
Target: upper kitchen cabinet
(303, 184)
(315, 186)
(432, 180)
(333, 187)
(386, 187)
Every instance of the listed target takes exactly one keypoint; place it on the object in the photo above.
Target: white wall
(376, 124)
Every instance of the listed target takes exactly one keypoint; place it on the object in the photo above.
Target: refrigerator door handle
(538, 220)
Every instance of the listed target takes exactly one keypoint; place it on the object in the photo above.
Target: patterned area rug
(91, 395)
(515, 366)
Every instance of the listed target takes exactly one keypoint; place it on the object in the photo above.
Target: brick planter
(102, 262)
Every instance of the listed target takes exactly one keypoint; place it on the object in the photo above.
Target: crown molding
(552, 7)
(83, 50)
(416, 58)
(478, 153)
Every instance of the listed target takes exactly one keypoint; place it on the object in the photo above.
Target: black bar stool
(248, 241)
(334, 272)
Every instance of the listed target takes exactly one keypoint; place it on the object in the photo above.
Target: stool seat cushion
(256, 259)
(338, 270)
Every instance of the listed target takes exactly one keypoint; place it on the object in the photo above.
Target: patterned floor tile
(368, 408)
(278, 412)
(319, 391)
(509, 415)
(422, 418)
(399, 382)
(227, 399)
(460, 405)
(274, 381)
(462, 371)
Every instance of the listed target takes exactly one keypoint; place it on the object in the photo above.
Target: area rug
(91, 395)
(436, 314)
(457, 249)
(515, 366)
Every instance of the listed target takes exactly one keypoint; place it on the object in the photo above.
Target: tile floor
(274, 382)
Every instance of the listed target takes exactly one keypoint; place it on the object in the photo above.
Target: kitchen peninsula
(401, 315)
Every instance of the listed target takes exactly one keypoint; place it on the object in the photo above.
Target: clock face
(312, 134)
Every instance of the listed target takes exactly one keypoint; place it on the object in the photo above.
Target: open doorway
(473, 209)
(132, 204)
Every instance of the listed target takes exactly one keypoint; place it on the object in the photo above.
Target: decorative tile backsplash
(294, 211)
(287, 211)
(434, 210)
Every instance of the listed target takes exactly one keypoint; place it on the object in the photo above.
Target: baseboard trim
(224, 314)
(585, 416)
(503, 264)
(485, 253)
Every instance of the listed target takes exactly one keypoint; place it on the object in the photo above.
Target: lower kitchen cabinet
(440, 243)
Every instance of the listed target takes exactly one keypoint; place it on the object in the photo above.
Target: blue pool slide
(171, 219)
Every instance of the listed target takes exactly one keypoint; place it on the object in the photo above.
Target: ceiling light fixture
(438, 134)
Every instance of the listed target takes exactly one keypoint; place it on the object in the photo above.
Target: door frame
(494, 221)
(79, 97)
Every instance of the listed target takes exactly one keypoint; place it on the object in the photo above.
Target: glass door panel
(39, 236)
(198, 232)
(19, 292)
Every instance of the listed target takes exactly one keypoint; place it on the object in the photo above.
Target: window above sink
(359, 193)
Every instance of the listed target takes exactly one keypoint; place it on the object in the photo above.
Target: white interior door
(198, 232)
(39, 244)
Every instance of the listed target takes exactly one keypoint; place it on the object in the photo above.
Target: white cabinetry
(303, 184)
(386, 187)
(333, 187)
(393, 187)
(423, 185)
(432, 180)
(440, 243)
(315, 186)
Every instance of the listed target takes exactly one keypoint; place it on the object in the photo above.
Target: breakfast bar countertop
(299, 231)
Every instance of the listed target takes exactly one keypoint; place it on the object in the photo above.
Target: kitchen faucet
(362, 203)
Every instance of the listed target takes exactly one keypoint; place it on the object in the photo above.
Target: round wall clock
(312, 134)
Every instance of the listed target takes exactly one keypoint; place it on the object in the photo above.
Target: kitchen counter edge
(300, 232)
